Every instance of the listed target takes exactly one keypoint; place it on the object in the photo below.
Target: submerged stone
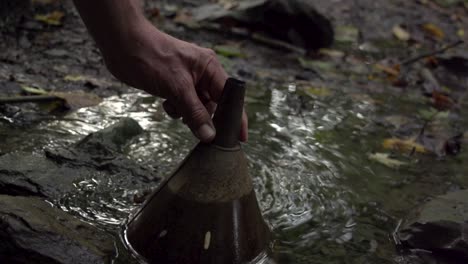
(441, 227)
(32, 231)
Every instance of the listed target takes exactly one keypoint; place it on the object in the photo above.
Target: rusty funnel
(206, 212)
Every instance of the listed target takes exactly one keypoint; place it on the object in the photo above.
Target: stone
(52, 174)
(440, 227)
(32, 231)
(295, 21)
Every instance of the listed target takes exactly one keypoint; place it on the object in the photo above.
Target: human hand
(189, 77)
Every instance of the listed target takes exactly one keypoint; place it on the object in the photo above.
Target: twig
(432, 53)
(396, 237)
(275, 43)
(260, 38)
(423, 129)
(28, 99)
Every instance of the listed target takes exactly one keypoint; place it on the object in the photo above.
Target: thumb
(196, 116)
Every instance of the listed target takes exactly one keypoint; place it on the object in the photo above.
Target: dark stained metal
(228, 115)
(206, 212)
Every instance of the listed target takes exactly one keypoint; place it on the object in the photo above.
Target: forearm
(110, 22)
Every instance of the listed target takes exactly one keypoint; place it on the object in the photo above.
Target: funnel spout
(228, 116)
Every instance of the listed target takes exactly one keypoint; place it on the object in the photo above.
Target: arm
(189, 77)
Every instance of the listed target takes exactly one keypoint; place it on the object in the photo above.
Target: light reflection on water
(297, 167)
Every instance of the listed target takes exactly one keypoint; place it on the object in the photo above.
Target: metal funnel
(206, 212)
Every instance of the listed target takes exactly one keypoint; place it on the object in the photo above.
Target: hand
(189, 77)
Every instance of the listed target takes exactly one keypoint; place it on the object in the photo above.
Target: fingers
(172, 111)
(197, 104)
(196, 116)
(210, 106)
(213, 79)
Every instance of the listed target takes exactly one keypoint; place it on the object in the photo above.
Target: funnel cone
(206, 212)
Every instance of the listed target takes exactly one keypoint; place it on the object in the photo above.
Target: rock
(441, 227)
(32, 231)
(56, 52)
(53, 173)
(296, 21)
(111, 139)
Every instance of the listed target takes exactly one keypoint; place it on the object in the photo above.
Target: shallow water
(325, 201)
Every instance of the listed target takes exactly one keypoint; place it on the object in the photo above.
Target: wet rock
(53, 173)
(56, 53)
(111, 139)
(296, 21)
(32, 231)
(441, 227)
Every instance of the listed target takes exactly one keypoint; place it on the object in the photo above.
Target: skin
(190, 78)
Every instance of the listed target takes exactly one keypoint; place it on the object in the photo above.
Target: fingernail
(205, 132)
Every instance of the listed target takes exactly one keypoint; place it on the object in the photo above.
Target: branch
(432, 53)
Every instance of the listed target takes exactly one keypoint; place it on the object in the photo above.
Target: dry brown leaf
(389, 70)
(78, 100)
(184, 17)
(441, 101)
(404, 145)
(434, 31)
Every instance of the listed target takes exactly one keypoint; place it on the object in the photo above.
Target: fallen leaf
(404, 146)
(229, 51)
(153, 13)
(78, 100)
(316, 91)
(431, 61)
(434, 31)
(73, 100)
(401, 33)
(54, 18)
(33, 90)
(183, 17)
(384, 158)
(346, 34)
(94, 82)
(393, 72)
(442, 101)
(429, 114)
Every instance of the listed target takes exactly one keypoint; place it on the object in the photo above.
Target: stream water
(324, 199)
